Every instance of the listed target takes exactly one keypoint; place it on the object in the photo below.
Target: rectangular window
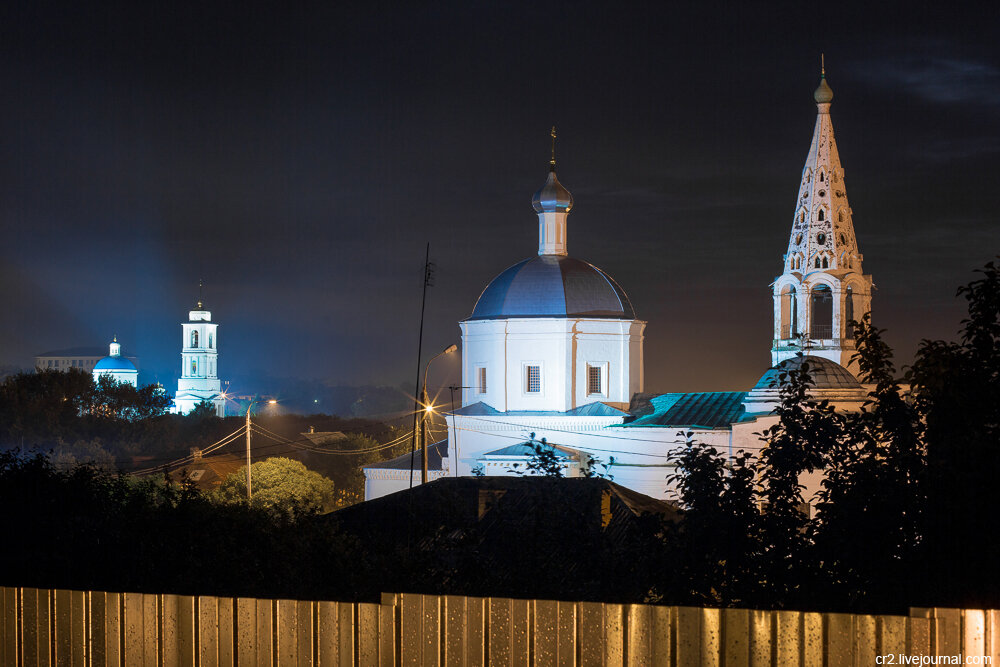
(482, 379)
(533, 379)
(594, 384)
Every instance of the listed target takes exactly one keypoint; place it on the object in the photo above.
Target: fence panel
(62, 627)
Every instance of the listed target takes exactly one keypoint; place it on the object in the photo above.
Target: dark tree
(870, 508)
(957, 392)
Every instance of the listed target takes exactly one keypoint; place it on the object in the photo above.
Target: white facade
(199, 379)
(579, 361)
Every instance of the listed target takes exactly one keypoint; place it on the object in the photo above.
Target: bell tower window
(211, 341)
(789, 324)
(821, 324)
(849, 312)
(194, 339)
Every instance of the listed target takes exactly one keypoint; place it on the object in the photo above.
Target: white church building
(117, 367)
(199, 380)
(553, 350)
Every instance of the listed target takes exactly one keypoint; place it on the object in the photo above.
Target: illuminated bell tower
(199, 379)
(823, 286)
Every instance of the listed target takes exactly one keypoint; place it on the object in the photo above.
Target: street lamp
(428, 408)
(249, 407)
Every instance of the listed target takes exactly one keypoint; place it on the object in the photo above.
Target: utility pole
(248, 451)
(417, 407)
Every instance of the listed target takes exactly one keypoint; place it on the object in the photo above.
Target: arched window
(820, 216)
(825, 263)
(789, 317)
(821, 177)
(821, 322)
(817, 262)
(849, 312)
(211, 343)
(194, 339)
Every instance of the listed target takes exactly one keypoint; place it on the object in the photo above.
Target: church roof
(553, 286)
(825, 374)
(527, 448)
(596, 409)
(552, 196)
(822, 233)
(90, 351)
(710, 409)
(435, 455)
(115, 364)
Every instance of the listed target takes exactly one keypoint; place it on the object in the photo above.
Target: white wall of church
(561, 349)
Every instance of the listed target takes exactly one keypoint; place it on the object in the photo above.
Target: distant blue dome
(553, 286)
(114, 364)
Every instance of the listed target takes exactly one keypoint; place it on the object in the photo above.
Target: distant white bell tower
(199, 379)
(823, 286)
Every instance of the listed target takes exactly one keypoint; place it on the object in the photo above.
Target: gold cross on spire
(822, 65)
(201, 284)
(552, 161)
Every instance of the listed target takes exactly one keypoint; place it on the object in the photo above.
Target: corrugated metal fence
(61, 627)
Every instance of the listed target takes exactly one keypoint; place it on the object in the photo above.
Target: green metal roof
(711, 409)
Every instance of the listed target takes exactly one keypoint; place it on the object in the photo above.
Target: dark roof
(208, 472)
(77, 352)
(712, 409)
(542, 537)
(435, 453)
(596, 409)
(553, 286)
(825, 374)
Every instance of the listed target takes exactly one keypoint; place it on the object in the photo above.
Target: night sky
(299, 161)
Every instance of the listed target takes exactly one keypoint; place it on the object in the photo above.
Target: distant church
(117, 367)
(553, 350)
(199, 380)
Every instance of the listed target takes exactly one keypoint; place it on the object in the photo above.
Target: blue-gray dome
(552, 197)
(825, 374)
(553, 286)
(114, 364)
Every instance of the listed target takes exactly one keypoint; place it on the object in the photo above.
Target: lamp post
(427, 409)
(252, 401)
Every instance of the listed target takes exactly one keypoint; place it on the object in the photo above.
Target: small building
(208, 472)
(83, 358)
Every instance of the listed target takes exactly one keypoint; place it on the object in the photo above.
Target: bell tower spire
(823, 286)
